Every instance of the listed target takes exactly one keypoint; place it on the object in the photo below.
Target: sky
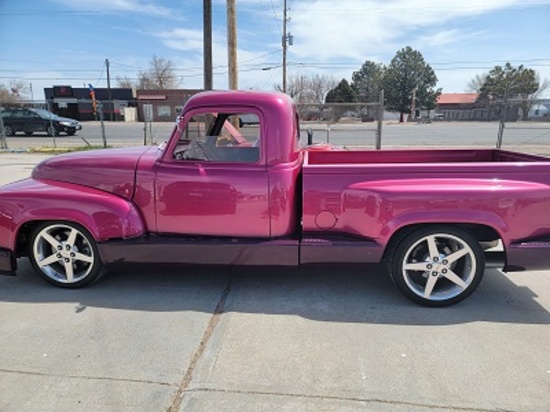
(66, 42)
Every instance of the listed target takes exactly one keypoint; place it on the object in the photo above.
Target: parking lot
(529, 137)
(340, 338)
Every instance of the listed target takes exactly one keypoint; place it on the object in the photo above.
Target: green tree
(367, 81)
(516, 84)
(343, 93)
(409, 74)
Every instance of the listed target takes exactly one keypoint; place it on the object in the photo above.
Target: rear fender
(458, 217)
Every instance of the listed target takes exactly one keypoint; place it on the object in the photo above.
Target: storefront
(77, 103)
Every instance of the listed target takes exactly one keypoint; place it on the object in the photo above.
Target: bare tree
(125, 82)
(527, 101)
(475, 84)
(15, 91)
(306, 89)
(160, 75)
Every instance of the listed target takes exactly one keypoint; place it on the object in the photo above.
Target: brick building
(162, 105)
(466, 106)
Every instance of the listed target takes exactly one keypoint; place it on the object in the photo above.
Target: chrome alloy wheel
(437, 265)
(64, 254)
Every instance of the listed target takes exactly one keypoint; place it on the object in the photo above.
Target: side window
(220, 137)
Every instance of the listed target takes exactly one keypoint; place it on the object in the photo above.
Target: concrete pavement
(147, 338)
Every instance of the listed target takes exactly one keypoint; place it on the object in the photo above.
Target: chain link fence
(36, 125)
(355, 126)
(349, 125)
(531, 133)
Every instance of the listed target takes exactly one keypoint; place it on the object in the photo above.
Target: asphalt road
(150, 338)
(533, 137)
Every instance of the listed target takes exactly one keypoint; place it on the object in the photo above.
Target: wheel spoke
(72, 237)
(453, 277)
(432, 246)
(51, 240)
(453, 257)
(49, 260)
(430, 286)
(83, 258)
(69, 271)
(416, 266)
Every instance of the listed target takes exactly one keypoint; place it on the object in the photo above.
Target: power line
(276, 18)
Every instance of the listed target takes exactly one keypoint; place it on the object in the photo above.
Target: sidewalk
(17, 166)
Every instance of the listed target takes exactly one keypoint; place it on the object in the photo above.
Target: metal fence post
(3, 141)
(309, 136)
(380, 121)
(100, 107)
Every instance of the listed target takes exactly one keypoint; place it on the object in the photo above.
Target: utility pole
(284, 46)
(111, 109)
(232, 44)
(207, 46)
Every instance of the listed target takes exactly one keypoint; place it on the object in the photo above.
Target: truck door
(213, 179)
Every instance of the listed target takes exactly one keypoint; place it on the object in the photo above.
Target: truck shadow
(329, 294)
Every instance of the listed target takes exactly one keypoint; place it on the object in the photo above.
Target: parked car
(434, 217)
(29, 120)
(248, 119)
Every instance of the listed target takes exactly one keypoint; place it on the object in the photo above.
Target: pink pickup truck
(232, 186)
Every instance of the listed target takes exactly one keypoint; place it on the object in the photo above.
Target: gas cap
(325, 219)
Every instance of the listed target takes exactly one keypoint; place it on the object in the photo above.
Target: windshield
(45, 114)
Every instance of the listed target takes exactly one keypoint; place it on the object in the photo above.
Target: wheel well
(482, 233)
(23, 236)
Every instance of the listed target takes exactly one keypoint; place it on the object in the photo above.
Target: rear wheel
(65, 254)
(437, 266)
(52, 131)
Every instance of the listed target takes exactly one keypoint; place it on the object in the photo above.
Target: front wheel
(437, 266)
(65, 254)
(9, 130)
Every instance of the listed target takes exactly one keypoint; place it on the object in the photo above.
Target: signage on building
(62, 91)
(152, 97)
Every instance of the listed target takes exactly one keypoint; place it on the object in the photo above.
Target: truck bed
(345, 157)
(371, 195)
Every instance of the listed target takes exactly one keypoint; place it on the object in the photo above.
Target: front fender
(105, 215)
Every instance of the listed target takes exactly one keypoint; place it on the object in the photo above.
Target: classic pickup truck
(225, 191)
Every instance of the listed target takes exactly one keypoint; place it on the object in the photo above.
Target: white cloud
(355, 28)
(129, 6)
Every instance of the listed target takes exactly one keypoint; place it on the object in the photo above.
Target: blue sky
(66, 42)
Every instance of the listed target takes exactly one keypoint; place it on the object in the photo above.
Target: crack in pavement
(349, 398)
(214, 320)
(99, 378)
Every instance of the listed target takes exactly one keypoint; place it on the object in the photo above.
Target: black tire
(65, 254)
(29, 133)
(448, 277)
(52, 131)
(70, 132)
(9, 130)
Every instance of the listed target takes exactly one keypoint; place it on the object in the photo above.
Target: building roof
(457, 98)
